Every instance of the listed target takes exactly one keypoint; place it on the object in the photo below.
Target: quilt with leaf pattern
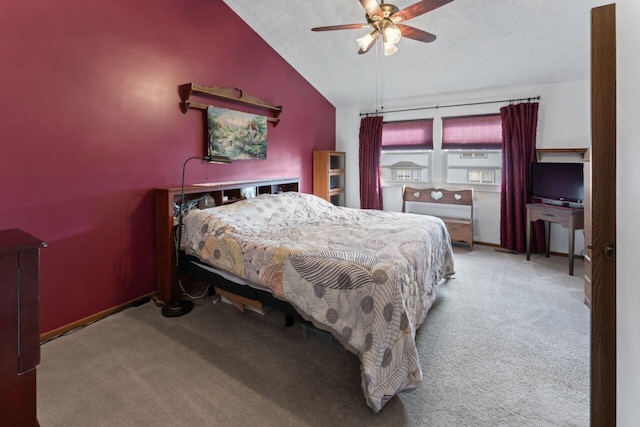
(368, 277)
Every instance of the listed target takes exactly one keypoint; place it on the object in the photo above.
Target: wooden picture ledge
(233, 94)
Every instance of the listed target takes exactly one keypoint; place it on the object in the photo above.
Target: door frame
(603, 223)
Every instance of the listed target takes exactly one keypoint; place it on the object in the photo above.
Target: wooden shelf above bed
(166, 271)
(230, 94)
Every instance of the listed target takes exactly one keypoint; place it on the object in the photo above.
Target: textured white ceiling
(481, 44)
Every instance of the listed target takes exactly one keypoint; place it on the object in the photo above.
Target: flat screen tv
(558, 183)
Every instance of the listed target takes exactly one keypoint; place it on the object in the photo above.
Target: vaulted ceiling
(480, 44)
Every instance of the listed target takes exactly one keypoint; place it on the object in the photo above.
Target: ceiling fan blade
(340, 27)
(416, 34)
(418, 9)
(373, 41)
(373, 9)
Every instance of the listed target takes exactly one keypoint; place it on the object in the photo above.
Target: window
(472, 154)
(481, 177)
(406, 151)
(472, 149)
(409, 174)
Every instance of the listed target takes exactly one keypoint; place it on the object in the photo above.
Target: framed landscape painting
(235, 134)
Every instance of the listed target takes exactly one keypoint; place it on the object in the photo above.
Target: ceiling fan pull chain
(381, 84)
(377, 78)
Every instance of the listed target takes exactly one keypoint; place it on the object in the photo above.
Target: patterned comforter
(368, 277)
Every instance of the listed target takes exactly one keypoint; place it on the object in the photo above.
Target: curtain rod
(534, 98)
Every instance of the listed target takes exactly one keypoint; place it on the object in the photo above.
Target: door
(603, 216)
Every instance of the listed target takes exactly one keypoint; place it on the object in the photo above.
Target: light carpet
(505, 344)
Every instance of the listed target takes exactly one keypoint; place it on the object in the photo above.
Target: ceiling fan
(385, 19)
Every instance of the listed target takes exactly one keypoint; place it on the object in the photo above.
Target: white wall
(563, 122)
(628, 210)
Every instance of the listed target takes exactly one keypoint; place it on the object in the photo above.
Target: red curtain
(370, 152)
(519, 124)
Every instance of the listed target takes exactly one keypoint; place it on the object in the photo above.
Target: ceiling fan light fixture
(392, 34)
(385, 19)
(389, 48)
(366, 40)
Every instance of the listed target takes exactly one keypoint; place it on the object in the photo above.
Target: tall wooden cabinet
(19, 326)
(329, 176)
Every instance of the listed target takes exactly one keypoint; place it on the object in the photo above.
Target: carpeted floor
(506, 344)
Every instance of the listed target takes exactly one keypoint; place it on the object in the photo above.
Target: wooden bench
(448, 205)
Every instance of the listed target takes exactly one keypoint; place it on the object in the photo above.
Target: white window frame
(472, 154)
(406, 175)
(425, 178)
(486, 154)
(481, 173)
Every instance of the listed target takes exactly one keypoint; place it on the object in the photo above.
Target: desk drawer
(559, 216)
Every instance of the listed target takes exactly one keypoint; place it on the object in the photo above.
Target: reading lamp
(180, 307)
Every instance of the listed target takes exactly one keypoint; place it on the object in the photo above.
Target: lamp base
(177, 308)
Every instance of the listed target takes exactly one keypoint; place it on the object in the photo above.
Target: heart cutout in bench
(416, 194)
(436, 195)
(457, 196)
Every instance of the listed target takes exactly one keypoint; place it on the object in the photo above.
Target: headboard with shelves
(222, 193)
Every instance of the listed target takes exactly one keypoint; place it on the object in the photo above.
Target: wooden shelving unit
(329, 176)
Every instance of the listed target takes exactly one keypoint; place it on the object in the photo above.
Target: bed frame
(166, 224)
(169, 290)
(239, 295)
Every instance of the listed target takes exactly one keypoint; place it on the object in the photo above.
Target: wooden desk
(571, 218)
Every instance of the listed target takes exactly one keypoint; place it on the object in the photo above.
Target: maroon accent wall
(91, 124)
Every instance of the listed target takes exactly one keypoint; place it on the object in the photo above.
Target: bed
(367, 277)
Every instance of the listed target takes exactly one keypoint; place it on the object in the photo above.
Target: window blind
(472, 132)
(408, 135)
